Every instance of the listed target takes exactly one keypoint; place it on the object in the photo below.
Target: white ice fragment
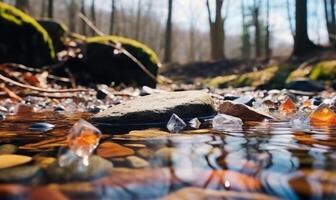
(222, 122)
(195, 123)
(175, 124)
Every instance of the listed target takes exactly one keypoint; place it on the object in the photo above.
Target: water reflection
(273, 158)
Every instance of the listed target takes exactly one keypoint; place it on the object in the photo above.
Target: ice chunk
(175, 124)
(323, 115)
(83, 138)
(222, 122)
(195, 123)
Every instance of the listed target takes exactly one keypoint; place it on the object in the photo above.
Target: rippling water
(272, 159)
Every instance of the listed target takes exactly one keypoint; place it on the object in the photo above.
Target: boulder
(306, 85)
(22, 39)
(105, 64)
(156, 109)
(57, 32)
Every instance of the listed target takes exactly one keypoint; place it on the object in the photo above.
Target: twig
(8, 80)
(119, 47)
(10, 93)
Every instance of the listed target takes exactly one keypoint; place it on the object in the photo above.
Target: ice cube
(83, 139)
(222, 122)
(175, 124)
(195, 123)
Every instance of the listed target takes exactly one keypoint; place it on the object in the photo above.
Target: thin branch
(8, 80)
(119, 47)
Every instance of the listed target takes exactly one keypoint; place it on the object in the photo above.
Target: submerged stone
(222, 122)
(97, 168)
(158, 108)
(19, 173)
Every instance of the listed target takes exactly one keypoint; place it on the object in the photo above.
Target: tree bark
(93, 15)
(50, 9)
(302, 43)
(257, 35)
(246, 44)
(168, 36)
(83, 24)
(137, 25)
(112, 18)
(23, 5)
(72, 15)
(267, 42)
(216, 31)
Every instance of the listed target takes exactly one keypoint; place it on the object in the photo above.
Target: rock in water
(22, 39)
(97, 168)
(243, 112)
(158, 108)
(19, 173)
(106, 64)
(222, 122)
(175, 124)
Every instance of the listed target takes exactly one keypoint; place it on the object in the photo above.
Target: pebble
(111, 150)
(137, 162)
(11, 160)
(18, 173)
(41, 126)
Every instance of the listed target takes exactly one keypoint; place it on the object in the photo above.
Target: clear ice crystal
(83, 139)
(195, 123)
(175, 124)
(222, 122)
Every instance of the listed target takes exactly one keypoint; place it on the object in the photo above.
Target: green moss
(221, 81)
(325, 70)
(258, 78)
(299, 73)
(126, 42)
(23, 39)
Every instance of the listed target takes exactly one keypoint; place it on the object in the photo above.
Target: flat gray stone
(159, 108)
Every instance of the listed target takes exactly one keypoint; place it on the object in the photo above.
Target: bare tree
(43, 9)
(93, 14)
(267, 39)
(168, 36)
(246, 44)
(50, 9)
(302, 44)
(23, 5)
(72, 13)
(329, 10)
(83, 24)
(289, 18)
(138, 21)
(217, 33)
(112, 18)
(257, 31)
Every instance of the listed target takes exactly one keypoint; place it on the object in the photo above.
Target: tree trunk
(112, 18)
(22, 5)
(50, 9)
(137, 25)
(168, 36)
(83, 24)
(216, 31)
(257, 35)
(302, 44)
(72, 15)
(289, 18)
(329, 11)
(267, 42)
(93, 15)
(43, 9)
(246, 45)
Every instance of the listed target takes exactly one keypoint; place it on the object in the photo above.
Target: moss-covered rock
(22, 39)
(102, 62)
(325, 70)
(57, 32)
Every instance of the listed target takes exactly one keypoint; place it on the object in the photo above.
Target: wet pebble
(11, 160)
(97, 167)
(137, 162)
(59, 108)
(247, 100)
(19, 173)
(8, 149)
(41, 126)
(111, 149)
